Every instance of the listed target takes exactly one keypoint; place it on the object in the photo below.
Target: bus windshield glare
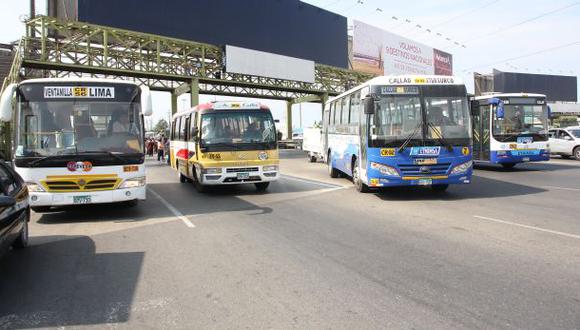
(222, 129)
(420, 119)
(59, 128)
(524, 119)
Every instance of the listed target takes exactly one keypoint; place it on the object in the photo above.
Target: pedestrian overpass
(57, 48)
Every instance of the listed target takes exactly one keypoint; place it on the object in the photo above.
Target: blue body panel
(519, 156)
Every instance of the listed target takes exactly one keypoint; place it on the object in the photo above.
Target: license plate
(82, 199)
(426, 161)
(243, 176)
(526, 159)
(425, 182)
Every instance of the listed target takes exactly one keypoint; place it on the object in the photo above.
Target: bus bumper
(462, 178)
(514, 157)
(234, 178)
(87, 197)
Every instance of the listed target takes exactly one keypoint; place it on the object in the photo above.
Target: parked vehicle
(14, 209)
(565, 142)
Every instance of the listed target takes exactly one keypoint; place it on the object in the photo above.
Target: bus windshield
(237, 130)
(73, 127)
(399, 117)
(518, 120)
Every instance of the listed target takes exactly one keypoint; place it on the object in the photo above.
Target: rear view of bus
(401, 131)
(78, 141)
(225, 143)
(509, 129)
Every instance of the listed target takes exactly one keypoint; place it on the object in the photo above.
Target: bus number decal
(388, 152)
(212, 156)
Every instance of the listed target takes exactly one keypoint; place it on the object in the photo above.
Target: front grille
(415, 170)
(80, 184)
(242, 169)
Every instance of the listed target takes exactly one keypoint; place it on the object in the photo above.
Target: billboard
(289, 27)
(257, 63)
(556, 88)
(379, 52)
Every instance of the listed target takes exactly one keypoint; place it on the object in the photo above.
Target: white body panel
(312, 141)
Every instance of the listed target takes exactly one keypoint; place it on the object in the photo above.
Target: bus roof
(76, 80)
(404, 80)
(223, 105)
(492, 95)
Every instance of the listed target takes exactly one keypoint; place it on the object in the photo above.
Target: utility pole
(32, 15)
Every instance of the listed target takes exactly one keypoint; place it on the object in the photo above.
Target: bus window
(337, 112)
(185, 128)
(345, 109)
(178, 128)
(355, 104)
(192, 126)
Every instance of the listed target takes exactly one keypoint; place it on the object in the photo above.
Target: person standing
(161, 148)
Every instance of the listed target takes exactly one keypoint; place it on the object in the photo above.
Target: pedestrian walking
(161, 148)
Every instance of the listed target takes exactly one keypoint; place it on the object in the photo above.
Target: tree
(161, 127)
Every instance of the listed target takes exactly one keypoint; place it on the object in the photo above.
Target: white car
(565, 142)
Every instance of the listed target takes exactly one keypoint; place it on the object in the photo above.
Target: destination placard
(60, 92)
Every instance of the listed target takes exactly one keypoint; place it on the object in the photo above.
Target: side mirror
(146, 101)
(474, 108)
(6, 103)
(568, 138)
(7, 201)
(195, 133)
(499, 111)
(549, 112)
(369, 105)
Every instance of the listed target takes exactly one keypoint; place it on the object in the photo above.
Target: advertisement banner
(379, 52)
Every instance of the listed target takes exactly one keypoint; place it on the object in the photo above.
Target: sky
(499, 34)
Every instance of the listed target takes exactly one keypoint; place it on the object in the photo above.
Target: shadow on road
(528, 167)
(480, 188)
(66, 283)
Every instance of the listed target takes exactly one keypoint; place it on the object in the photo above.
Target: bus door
(485, 132)
(477, 130)
(326, 118)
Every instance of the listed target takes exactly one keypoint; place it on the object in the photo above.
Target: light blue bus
(400, 131)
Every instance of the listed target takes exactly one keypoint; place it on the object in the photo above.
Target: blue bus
(509, 129)
(400, 131)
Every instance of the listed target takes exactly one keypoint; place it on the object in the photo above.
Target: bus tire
(439, 187)
(196, 184)
(40, 209)
(508, 166)
(311, 158)
(262, 186)
(356, 180)
(182, 177)
(333, 172)
(576, 153)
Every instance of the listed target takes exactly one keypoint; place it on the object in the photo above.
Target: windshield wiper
(40, 160)
(410, 137)
(103, 152)
(443, 141)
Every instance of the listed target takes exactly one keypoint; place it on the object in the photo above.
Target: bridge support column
(289, 120)
(173, 102)
(194, 92)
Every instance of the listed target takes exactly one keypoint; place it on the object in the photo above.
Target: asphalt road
(503, 252)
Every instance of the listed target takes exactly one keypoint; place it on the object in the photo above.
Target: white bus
(509, 129)
(78, 141)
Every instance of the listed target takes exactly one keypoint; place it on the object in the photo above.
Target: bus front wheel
(359, 185)
(262, 186)
(333, 172)
(196, 184)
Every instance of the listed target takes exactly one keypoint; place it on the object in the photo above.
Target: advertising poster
(379, 52)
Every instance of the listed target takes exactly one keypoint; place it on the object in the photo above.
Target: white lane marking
(560, 188)
(318, 183)
(528, 227)
(172, 208)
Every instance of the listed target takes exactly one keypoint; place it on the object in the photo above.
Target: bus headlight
(385, 169)
(133, 183)
(212, 170)
(270, 168)
(34, 187)
(462, 168)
